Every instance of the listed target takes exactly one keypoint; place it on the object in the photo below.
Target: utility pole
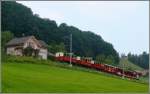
(70, 50)
(123, 71)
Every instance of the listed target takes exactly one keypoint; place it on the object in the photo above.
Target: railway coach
(90, 63)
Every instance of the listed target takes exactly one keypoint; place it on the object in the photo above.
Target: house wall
(13, 51)
(43, 53)
(10, 51)
(32, 43)
(18, 52)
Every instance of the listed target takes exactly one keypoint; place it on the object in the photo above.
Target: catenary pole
(70, 49)
(123, 71)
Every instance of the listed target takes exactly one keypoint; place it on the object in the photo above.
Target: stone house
(16, 46)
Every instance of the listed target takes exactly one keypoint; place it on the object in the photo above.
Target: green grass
(145, 79)
(129, 65)
(31, 75)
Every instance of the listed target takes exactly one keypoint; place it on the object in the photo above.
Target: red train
(86, 62)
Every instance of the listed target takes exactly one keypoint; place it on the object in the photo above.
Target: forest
(141, 60)
(20, 21)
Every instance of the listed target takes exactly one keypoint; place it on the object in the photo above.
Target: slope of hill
(128, 65)
(32, 75)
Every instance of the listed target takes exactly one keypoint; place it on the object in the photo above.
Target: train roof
(111, 66)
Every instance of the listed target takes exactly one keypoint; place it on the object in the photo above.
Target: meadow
(31, 75)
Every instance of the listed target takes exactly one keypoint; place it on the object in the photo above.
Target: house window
(30, 44)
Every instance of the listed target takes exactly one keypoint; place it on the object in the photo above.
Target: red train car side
(101, 67)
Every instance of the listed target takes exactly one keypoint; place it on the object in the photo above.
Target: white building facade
(17, 45)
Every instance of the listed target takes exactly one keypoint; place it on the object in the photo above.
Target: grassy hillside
(129, 65)
(31, 75)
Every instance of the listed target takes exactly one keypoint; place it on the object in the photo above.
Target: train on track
(88, 62)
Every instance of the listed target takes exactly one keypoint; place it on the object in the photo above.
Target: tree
(6, 36)
(110, 60)
(141, 60)
(57, 48)
(123, 55)
(100, 58)
(28, 51)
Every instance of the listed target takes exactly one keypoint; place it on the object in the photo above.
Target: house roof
(42, 43)
(18, 41)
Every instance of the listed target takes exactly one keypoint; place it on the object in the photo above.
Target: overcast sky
(125, 24)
